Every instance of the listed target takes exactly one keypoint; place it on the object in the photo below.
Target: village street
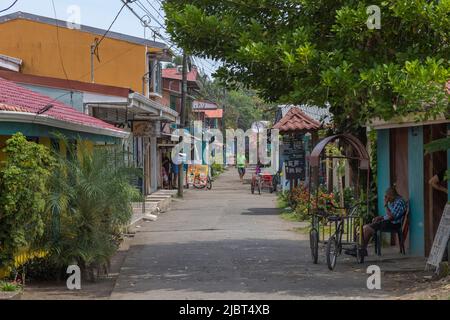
(229, 244)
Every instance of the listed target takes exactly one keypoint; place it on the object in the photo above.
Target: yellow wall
(45, 141)
(121, 63)
(2, 146)
(87, 145)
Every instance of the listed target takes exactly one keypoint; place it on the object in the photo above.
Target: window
(173, 102)
(155, 76)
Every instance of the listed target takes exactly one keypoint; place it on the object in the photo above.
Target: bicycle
(345, 225)
(256, 184)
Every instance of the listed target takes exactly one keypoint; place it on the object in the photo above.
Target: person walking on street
(241, 166)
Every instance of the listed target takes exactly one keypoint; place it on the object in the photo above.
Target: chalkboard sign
(295, 155)
(440, 240)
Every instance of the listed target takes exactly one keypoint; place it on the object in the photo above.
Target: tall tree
(242, 107)
(323, 51)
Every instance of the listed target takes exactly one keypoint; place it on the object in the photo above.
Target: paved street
(229, 244)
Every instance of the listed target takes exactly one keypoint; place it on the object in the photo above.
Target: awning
(138, 107)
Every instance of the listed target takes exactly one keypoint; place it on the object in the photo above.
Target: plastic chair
(401, 231)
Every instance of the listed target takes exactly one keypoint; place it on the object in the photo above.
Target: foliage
(318, 52)
(302, 204)
(23, 192)
(216, 169)
(439, 145)
(242, 106)
(10, 286)
(89, 202)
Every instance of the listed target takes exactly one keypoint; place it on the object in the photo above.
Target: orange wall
(122, 63)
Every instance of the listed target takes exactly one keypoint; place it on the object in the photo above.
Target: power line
(156, 10)
(12, 5)
(147, 25)
(59, 42)
(110, 26)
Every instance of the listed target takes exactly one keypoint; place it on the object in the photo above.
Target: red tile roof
(296, 120)
(218, 113)
(172, 73)
(18, 99)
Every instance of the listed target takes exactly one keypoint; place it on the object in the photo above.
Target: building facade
(117, 80)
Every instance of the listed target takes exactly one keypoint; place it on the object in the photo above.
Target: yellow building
(120, 60)
(53, 58)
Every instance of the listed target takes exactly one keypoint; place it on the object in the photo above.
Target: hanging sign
(142, 129)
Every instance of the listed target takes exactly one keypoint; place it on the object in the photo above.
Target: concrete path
(229, 244)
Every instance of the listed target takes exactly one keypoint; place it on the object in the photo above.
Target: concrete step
(155, 204)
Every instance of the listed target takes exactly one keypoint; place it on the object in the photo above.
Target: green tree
(242, 106)
(23, 191)
(322, 51)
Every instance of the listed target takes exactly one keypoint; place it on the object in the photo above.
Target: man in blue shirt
(395, 210)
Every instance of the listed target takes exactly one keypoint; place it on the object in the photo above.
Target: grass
(290, 216)
(303, 230)
(9, 287)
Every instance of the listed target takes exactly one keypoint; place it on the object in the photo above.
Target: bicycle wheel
(360, 254)
(209, 184)
(332, 252)
(198, 184)
(314, 244)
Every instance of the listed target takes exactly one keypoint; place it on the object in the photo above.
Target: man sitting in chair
(395, 210)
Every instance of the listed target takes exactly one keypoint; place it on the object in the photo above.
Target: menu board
(441, 239)
(295, 157)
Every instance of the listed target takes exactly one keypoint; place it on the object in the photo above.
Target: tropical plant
(88, 205)
(9, 286)
(23, 192)
(439, 145)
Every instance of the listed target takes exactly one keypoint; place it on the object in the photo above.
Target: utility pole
(182, 122)
(93, 46)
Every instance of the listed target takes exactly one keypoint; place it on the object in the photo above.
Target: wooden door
(399, 160)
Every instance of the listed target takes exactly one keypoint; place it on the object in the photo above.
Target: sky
(100, 14)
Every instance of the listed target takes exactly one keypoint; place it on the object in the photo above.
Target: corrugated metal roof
(83, 28)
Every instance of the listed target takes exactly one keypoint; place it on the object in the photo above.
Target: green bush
(216, 169)
(88, 205)
(9, 286)
(23, 192)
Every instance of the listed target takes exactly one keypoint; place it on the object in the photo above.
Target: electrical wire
(12, 5)
(110, 26)
(156, 10)
(59, 42)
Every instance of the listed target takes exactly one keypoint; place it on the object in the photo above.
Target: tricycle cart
(262, 180)
(338, 228)
(199, 177)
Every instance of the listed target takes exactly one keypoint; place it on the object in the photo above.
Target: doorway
(399, 160)
(435, 200)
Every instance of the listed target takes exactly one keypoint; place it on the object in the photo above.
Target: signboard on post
(440, 240)
(203, 105)
(295, 157)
